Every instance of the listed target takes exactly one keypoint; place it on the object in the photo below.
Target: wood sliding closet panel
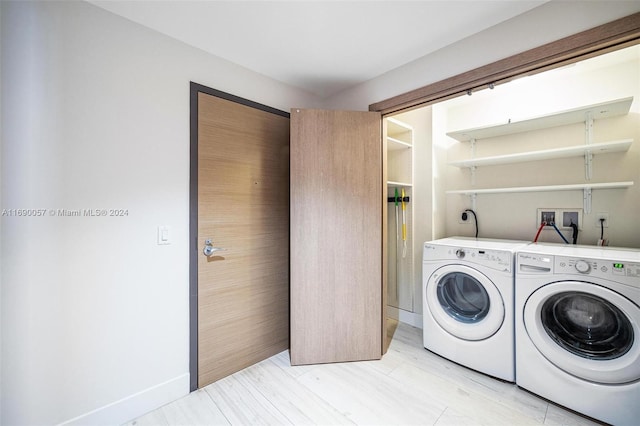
(604, 38)
(336, 236)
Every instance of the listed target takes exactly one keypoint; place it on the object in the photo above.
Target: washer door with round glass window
(464, 302)
(587, 330)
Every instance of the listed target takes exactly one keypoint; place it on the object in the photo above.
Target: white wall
(544, 24)
(514, 215)
(95, 115)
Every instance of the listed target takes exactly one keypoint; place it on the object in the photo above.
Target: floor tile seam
(477, 396)
(440, 416)
(319, 396)
(305, 387)
(216, 404)
(308, 367)
(259, 391)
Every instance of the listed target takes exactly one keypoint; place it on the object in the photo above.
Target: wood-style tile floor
(409, 386)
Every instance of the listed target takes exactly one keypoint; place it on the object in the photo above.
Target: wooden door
(336, 236)
(243, 207)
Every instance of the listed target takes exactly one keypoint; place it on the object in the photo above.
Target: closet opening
(438, 155)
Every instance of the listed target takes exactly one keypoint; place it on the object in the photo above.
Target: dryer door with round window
(587, 330)
(464, 302)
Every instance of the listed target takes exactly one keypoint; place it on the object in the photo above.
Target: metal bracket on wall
(588, 165)
(472, 198)
(586, 200)
(588, 140)
(473, 155)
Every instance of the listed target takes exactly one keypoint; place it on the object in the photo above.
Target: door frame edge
(194, 89)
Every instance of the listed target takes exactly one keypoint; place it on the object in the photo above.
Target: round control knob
(460, 253)
(582, 267)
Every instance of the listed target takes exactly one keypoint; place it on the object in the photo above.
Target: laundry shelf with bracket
(586, 115)
(585, 187)
(544, 188)
(571, 116)
(565, 152)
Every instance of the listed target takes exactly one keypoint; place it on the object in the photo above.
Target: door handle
(209, 249)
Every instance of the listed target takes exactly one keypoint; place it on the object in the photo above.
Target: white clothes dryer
(468, 302)
(578, 328)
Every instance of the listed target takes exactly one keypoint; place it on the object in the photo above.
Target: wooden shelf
(545, 188)
(572, 151)
(577, 115)
(399, 131)
(393, 184)
(397, 145)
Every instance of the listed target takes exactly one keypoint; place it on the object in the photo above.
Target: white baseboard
(406, 317)
(135, 405)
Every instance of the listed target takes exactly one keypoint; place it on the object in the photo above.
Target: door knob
(209, 249)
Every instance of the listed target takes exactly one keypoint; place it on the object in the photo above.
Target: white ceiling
(323, 47)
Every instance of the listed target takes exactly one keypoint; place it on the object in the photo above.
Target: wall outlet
(464, 217)
(604, 216)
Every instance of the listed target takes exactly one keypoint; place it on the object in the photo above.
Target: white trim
(406, 317)
(135, 405)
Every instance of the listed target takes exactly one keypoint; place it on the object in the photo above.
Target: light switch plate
(164, 235)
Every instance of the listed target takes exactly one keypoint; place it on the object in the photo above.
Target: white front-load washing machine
(578, 328)
(468, 302)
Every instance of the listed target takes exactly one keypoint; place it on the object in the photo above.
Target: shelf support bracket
(473, 156)
(588, 165)
(473, 197)
(586, 200)
(588, 140)
(588, 129)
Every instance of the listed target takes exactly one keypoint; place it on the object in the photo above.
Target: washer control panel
(609, 269)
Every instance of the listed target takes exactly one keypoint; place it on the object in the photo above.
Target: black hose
(575, 233)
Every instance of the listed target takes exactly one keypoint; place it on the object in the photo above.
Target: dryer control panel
(500, 260)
